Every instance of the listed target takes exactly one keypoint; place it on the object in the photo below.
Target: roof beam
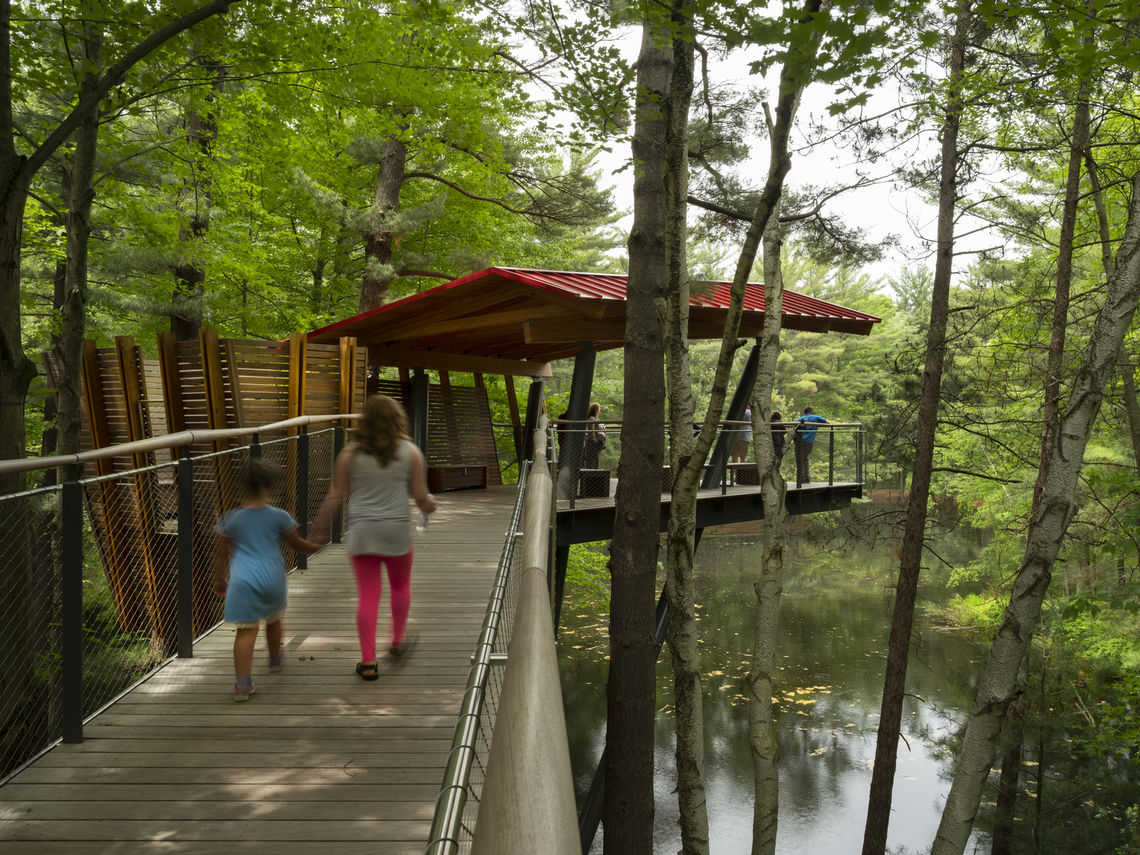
(435, 326)
(408, 358)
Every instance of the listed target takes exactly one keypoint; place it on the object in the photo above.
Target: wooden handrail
(170, 440)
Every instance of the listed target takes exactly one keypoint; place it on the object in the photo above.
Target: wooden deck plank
(318, 760)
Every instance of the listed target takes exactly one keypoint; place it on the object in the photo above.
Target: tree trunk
(627, 813)
(910, 556)
(190, 275)
(1047, 529)
(762, 733)
(379, 241)
(680, 583)
(73, 306)
(1078, 146)
(1127, 372)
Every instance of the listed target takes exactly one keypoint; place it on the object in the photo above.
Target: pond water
(835, 616)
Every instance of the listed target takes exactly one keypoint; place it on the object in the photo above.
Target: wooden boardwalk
(318, 761)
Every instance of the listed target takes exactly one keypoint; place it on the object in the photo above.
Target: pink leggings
(370, 586)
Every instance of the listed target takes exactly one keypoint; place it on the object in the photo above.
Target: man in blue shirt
(804, 439)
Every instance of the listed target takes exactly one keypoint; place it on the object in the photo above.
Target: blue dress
(257, 588)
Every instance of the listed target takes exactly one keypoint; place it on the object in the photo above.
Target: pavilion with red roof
(515, 322)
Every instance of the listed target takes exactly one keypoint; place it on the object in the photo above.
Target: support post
(303, 492)
(338, 447)
(740, 398)
(185, 590)
(255, 446)
(570, 452)
(831, 455)
(513, 409)
(533, 413)
(419, 413)
(558, 583)
(71, 605)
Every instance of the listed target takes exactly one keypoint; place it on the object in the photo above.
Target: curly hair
(383, 426)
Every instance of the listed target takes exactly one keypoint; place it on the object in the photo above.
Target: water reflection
(834, 625)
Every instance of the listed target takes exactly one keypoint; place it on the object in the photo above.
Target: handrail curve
(528, 803)
(155, 443)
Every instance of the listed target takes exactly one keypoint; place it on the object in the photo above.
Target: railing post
(303, 492)
(185, 555)
(859, 454)
(71, 605)
(831, 455)
(338, 447)
(255, 446)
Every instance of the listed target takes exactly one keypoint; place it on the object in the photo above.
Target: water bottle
(425, 517)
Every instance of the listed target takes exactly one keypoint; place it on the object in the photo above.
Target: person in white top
(377, 471)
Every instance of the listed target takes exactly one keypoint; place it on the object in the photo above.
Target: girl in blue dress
(249, 546)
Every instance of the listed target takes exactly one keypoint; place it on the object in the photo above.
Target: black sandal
(372, 667)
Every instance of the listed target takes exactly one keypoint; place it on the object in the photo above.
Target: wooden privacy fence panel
(196, 385)
(459, 425)
(214, 383)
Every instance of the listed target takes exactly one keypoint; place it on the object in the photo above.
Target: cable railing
(108, 574)
(809, 455)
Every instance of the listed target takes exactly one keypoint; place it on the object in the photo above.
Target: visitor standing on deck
(250, 572)
(377, 471)
(804, 439)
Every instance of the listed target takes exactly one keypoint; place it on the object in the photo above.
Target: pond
(835, 616)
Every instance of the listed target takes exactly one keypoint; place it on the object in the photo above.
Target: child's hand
(220, 588)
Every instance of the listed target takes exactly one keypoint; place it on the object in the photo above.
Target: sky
(883, 210)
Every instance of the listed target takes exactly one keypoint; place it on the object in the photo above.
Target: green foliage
(588, 576)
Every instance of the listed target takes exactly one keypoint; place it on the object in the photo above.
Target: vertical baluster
(71, 605)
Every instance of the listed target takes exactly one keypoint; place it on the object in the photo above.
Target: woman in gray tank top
(377, 471)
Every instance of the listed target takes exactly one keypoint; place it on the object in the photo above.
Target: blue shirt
(809, 422)
(257, 588)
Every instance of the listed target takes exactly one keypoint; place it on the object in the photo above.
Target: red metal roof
(611, 286)
(535, 316)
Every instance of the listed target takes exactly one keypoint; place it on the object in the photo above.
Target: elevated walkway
(317, 761)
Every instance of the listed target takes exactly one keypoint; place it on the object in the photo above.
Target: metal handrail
(170, 440)
(444, 835)
(528, 773)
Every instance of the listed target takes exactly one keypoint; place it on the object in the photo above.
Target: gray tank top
(377, 519)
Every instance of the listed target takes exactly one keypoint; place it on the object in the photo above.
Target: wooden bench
(456, 477)
(594, 483)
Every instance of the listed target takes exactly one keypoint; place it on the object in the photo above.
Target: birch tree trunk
(1078, 145)
(680, 584)
(627, 812)
(1127, 373)
(910, 556)
(1047, 529)
(762, 734)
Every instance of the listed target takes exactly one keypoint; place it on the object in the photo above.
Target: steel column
(419, 413)
(740, 398)
(185, 555)
(71, 605)
(303, 492)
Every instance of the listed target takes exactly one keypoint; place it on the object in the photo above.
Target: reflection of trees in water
(835, 618)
